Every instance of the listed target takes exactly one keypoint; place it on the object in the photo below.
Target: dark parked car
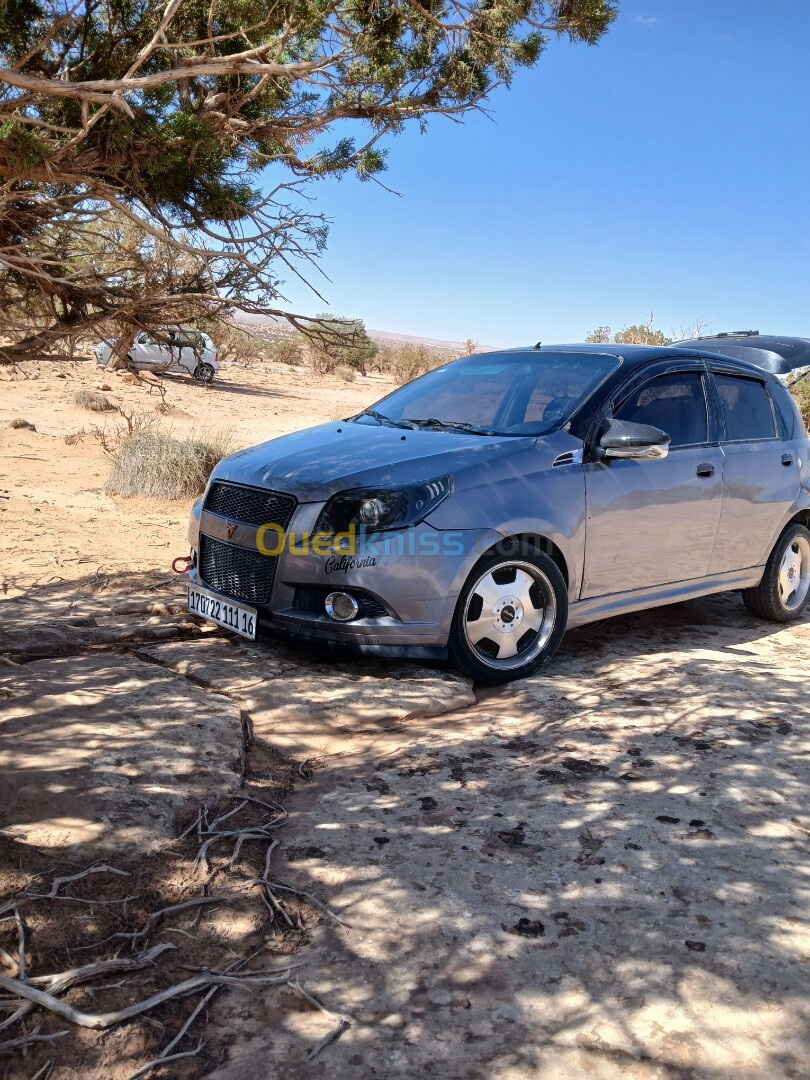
(488, 505)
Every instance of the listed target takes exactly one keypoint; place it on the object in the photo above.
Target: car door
(187, 348)
(762, 477)
(146, 354)
(651, 522)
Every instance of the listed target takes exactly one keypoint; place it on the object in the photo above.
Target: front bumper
(415, 575)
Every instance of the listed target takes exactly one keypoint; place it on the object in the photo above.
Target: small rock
(382, 840)
(696, 946)
(697, 822)
(427, 803)
(665, 819)
(103, 386)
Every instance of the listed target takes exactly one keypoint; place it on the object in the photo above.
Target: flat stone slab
(97, 753)
(307, 706)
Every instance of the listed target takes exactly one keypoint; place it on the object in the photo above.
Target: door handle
(787, 459)
(705, 469)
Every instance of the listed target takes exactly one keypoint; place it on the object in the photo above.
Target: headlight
(376, 508)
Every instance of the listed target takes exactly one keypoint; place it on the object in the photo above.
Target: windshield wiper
(450, 425)
(382, 419)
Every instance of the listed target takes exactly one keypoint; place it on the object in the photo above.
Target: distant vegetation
(644, 333)
(800, 388)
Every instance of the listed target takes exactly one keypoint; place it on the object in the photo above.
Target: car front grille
(313, 600)
(236, 571)
(253, 506)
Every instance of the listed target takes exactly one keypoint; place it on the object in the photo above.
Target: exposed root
(341, 1022)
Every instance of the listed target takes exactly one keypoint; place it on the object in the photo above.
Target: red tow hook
(184, 562)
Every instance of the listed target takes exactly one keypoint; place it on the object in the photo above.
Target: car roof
(633, 356)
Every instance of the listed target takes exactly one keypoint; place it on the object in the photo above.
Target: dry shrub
(345, 373)
(801, 392)
(95, 402)
(74, 437)
(19, 423)
(288, 350)
(406, 361)
(155, 464)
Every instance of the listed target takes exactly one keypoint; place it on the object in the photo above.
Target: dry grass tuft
(74, 437)
(154, 464)
(95, 402)
(19, 423)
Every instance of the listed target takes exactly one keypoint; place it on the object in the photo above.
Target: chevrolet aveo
(484, 508)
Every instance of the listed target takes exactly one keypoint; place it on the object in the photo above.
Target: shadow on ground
(599, 872)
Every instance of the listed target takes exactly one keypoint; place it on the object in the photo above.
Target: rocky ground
(596, 873)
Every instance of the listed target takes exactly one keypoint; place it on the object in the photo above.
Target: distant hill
(266, 326)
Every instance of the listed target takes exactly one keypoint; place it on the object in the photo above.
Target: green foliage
(342, 343)
(637, 334)
(182, 118)
(407, 361)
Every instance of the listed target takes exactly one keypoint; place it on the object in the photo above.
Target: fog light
(341, 606)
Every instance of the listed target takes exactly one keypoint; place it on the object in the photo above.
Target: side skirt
(603, 607)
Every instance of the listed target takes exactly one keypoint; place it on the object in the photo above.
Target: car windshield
(527, 393)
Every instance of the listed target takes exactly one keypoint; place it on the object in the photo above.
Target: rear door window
(674, 403)
(747, 410)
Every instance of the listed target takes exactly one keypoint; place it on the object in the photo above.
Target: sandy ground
(598, 873)
(55, 518)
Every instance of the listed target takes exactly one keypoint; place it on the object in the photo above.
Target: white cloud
(646, 20)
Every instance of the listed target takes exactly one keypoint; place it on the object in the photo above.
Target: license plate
(228, 613)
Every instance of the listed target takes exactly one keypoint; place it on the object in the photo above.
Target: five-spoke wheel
(510, 616)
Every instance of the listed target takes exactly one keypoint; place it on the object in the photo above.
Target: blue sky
(666, 169)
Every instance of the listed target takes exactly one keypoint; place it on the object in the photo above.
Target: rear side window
(674, 403)
(746, 407)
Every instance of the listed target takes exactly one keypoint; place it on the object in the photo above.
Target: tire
(514, 586)
(784, 591)
(204, 373)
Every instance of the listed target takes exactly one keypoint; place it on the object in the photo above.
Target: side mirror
(622, 439)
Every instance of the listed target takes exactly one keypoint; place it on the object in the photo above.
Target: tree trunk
(120, 353)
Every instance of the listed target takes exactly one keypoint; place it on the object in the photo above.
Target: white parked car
(181, 349)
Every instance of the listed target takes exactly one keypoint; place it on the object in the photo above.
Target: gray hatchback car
(487, 506)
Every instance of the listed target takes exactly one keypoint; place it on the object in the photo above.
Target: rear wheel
(204, 373)
(510, 616)
(784, 591)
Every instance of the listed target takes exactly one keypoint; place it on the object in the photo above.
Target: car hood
(320, 461)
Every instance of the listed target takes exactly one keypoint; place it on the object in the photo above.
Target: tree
(199, 123)
(347, 344)
(637, 334)
(645, 334)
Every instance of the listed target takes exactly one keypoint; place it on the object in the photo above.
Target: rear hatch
(775, 353)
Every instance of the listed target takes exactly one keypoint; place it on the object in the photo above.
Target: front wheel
(204, 373)
(784, 591)
(510, 616)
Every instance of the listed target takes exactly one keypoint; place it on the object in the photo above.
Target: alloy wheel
(794, 574)
(510, 614)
